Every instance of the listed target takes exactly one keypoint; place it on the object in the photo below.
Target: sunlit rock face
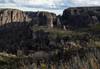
(14, 17)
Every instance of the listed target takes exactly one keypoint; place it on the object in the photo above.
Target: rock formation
(77, 17)
(74, 17)
(12, 15)
(42, 18)
(34, 18)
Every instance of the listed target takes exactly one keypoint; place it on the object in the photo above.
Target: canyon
(45, 40)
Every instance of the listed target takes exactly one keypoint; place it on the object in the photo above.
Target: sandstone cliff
(14, 17)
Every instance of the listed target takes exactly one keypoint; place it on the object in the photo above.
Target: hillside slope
(43, 40)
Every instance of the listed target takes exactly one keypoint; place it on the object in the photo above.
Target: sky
(56, 6)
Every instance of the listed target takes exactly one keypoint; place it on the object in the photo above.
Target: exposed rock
(34, 18)
(42, 18)
(77, 17)
(71, 18)
(12, 15)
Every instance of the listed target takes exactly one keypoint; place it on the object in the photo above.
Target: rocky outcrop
(74, 17)
(42, 18)
(77, 17)
(14, 16)
(47, 18)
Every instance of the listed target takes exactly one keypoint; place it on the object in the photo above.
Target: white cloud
(31, 5)
(86, 2)
(46, 5)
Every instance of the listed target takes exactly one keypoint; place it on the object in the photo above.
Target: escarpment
(42, 18)
(77, 17)
(14, 16)
(72, 18)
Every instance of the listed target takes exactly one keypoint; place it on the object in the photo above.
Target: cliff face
(42, 18)
(14, 17)
(71, 18)
(81, 16)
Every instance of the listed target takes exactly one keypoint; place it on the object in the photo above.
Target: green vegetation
(60, 49)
